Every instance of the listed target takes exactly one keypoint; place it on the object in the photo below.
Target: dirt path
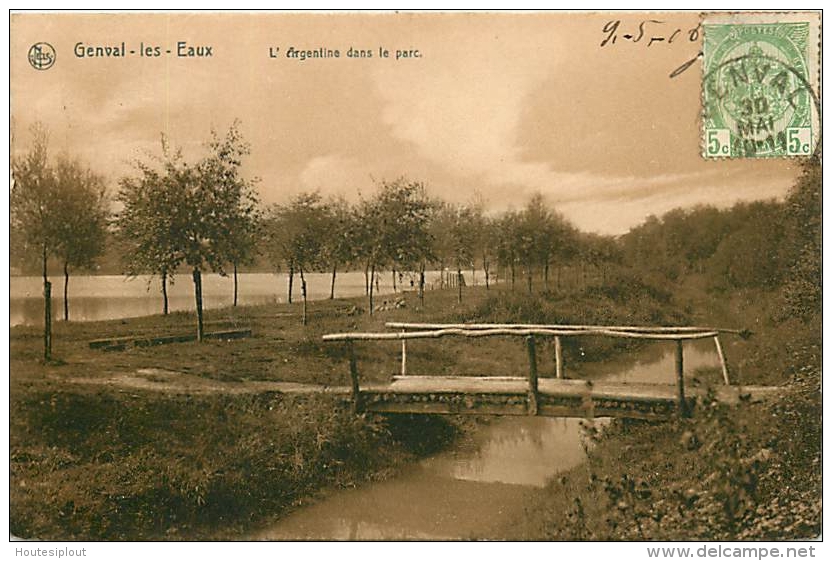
(175, 382)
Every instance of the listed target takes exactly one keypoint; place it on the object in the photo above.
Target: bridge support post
(558, 358)
(722, 360)
(532, 375)
(680, 380)
(355, 393)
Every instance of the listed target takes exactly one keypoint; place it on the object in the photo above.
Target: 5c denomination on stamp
(759, 89)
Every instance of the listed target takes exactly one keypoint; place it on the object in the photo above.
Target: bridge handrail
(629, 328)
(530, 332)
(517, 332)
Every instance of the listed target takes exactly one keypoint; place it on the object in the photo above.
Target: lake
(104, 297)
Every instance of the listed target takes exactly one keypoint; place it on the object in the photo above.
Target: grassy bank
(104, 465)
(751, 471)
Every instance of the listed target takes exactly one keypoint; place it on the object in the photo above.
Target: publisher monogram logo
(42, 56)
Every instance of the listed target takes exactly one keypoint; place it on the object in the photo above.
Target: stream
(478, 486)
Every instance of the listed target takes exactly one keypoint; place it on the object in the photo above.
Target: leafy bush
(626, 300)
(730, 473)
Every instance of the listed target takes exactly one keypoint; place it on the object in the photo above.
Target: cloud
(617, 214)
(460, 107)
(463, 110)
(335, 174)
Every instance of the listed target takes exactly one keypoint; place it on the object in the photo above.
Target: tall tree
(303, 228)
(540, 235)
(278, 245)
(395, 227)
(531, 233)
(463, 237)
(148, 223)
(82, 228)
(483, 229)
(219, 205)
(202, 207)
(441, 222)
(339, 242)
(506, 243)
(242, 217)
(33, 214)
(598, 251)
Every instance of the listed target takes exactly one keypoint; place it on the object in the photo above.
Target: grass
(93, 459)
(749, 473)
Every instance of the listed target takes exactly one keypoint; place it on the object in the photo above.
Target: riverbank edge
(689, 480)
(747, 471)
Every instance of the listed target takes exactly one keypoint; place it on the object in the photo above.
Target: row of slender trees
(174, 213)
(170, 214)
(401, 229)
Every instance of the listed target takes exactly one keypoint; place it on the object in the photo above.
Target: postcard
(416, 276)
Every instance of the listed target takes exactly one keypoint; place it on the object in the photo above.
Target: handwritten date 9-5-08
(648, 31)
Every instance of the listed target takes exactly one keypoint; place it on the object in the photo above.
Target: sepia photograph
(423, 276)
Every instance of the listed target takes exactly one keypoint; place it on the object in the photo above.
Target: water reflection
(657, 364)
(518, 451)
(422, 503)
(104, 297)
(453, 495)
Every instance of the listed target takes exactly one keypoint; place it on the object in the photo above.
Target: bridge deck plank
(498, 396)
(519, 386)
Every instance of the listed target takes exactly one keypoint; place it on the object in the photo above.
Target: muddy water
(475, 488)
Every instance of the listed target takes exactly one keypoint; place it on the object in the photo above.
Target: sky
(496, 107)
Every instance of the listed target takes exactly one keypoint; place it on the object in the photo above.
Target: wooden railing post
(355, 393)
(558, 358)
(47, 321)
(532, 375)
(680, 379)
(404, 356)
(722, 361)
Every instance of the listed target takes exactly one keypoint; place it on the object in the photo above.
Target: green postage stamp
(760, 79)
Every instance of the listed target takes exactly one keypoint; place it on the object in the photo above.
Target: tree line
(769, 245)
(401, 229)
(173, 214)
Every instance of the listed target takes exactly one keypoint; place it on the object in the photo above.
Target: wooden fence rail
(629, 328)
(521, 332)
(593, 330)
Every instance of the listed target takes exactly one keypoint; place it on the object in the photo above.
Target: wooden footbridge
(531, 394)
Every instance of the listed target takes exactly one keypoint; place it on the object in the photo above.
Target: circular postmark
(757, 98)
(42, 56)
